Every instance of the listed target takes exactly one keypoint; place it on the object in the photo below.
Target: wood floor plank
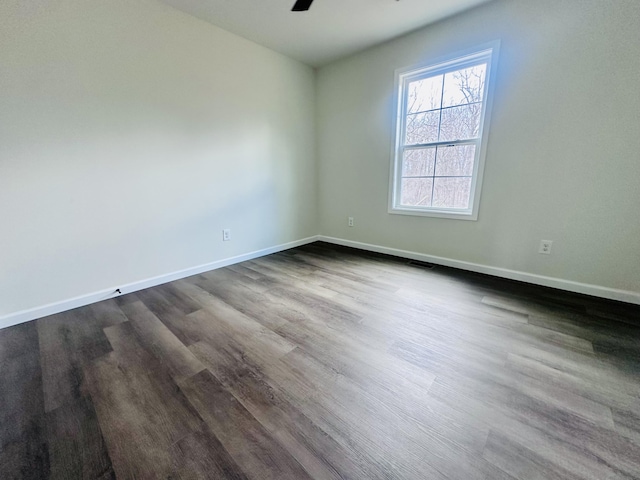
(372, 369)
(217, 315)
(158, 339)
(588, 327)
(241, 434)
(141, 411)
(326, 362)
(268, 313)
(298, 384)
(487, 331)
(598, 384)
(171, 315)
(16, 341)
(24, 453)
(522, 462)
(20, 373)
(276, 277)
(496, 379)
(628, 424)
(76, 445)
(201, 455)
(171, 294)
(402, 446)
(23, 441)
(68, 342)
(317, 452)
(563, 439)
(421, 409)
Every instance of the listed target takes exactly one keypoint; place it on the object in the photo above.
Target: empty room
(320, 239)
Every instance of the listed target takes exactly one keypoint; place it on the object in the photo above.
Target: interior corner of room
(132, 134)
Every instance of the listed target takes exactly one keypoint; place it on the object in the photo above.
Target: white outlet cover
(226, 234)
(545, 247)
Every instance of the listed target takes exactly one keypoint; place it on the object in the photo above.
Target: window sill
(435, 213)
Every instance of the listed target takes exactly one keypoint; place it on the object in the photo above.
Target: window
(441, 128)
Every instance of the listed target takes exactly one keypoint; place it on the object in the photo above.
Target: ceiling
(329, 30)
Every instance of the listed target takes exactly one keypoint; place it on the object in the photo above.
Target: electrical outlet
(351, 221)
(226, 234)
(545, 247)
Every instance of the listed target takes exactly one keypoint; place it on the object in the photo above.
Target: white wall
(563, 159)
(130, 135)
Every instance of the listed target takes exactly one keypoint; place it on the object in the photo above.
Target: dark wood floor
(326, 363)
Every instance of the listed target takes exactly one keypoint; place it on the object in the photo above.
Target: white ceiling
(329, 30)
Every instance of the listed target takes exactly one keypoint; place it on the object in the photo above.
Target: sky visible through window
(442, 108)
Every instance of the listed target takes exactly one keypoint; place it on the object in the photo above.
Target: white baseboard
(80, 301)
(568, 285)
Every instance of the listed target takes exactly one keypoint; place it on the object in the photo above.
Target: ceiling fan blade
(302, 5)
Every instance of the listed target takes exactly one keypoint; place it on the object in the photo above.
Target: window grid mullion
(452, 143)
(437, 176)
(435, 159)
(423, 151)
(444, 108)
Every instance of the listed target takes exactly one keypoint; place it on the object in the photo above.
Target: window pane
(464, 86)
(460, 123)
(422, 128)
(416, 191)
(452, 192)
(424, 94)
(419, 162)
(456, 160)
(439, 128)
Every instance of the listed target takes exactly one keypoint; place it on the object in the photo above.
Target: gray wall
(563, 158)
(130, 135)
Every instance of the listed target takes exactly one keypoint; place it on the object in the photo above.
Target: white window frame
(434, 67)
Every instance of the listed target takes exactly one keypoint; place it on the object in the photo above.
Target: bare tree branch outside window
(443, 115)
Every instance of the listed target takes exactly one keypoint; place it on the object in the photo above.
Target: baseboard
(568, 285)
(80, 301)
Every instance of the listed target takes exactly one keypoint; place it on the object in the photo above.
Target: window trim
(452, 62)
